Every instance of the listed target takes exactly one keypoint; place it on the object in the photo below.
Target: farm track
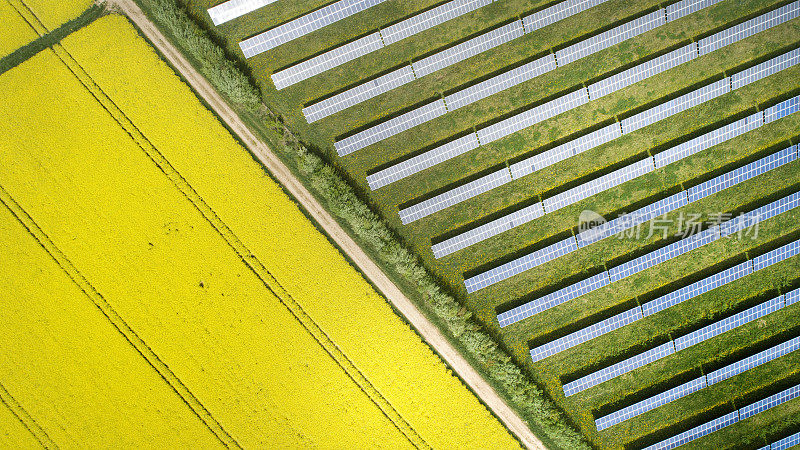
(427, 330)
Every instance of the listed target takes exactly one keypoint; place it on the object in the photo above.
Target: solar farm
(611, 187)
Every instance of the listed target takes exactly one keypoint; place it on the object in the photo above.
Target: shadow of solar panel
(421, 162)
(650, 403)
(782, 109)
(632, 219)
(765, 69)
(742, 174)
(520, 264)
(727, 324)
(696, 432)
(693, 290)
(684, 8)
(792, 297)
(326, 61)
(488, 230)
(500, 82)
(553, 14)
(457, 195)
(663, 254)
(430, 19)
(532, 116)
(622, 367)
(675, 105)
(756, 360)
(566, 150)
(775, 256)
(553, 299)
(611, 37)
(586, 334)
(786, 443)
(642, 71)
(303, 25)
(235, 8)
(749, 28)
(598, 185)
(391, 127)
(358, 94)
(769, 402)
(468, 49)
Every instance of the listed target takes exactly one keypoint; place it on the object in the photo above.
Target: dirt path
(429, 332)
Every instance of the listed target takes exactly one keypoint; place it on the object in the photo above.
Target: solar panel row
(522, 264)
(765, 69)
(650, 403)
(792, 297)
(769, 402)
(750, 27)
(235, 8)
(303, 25)
(756, 360)
(390, 127)
(680, 343)
(684, 8)
(553, 14)
(776, 256)
(786, 443)
(429, 19)
(754, 217)
(782, 109)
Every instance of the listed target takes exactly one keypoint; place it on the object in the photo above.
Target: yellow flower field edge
(52, 13)
(16, 31)
(411, 377)
(169, 275)
(522, 393)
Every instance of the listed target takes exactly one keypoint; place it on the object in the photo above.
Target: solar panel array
(777, 255)
(429, 19)
(642, 71)
(500, 82)
(769, 402)
(696, 432)
(234, 8)
(650, 403)
(765, 69)
(684, 8)
(792, 297)
(492, 228)
(782, 109)
(327, 61)
(390, 127)
(358, 94)
(520, 265)
(586, 334)
(750, 27)
(611, 37)
(756, 360)
(457, 195)
(303, 25)
(553, 14)
(786, 443)
(555, 298)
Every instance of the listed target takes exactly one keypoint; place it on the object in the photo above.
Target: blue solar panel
(769, 402)
(391, 127)
(642, 71)
(697, 288)
(742, 174)
(792, 297)
(729, 323)
(598, 185)
(622, 367)
(487, 230)
(559, 11)
(779, 254)
(649, 404)
(611, 37)
(520, 265)
(786, 443)
(756, 360)
(741, 223)
(765, 69)
(749, 28)
(709, 139)
(684, 8)
(676, 105)
(663, 254)
(696, 432)
(303, 25)
(586, 334)
(782, 109)
(553, 299)
(454, 196)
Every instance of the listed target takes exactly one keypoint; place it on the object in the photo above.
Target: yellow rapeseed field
(391, 355)
(53, 13)
(16, 32)
(336, 369)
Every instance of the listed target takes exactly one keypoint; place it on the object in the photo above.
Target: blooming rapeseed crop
(16, 32)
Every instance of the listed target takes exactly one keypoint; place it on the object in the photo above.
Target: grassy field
(522, 239)
(247, 321)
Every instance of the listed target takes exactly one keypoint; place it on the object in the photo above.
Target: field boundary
(430, 333)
